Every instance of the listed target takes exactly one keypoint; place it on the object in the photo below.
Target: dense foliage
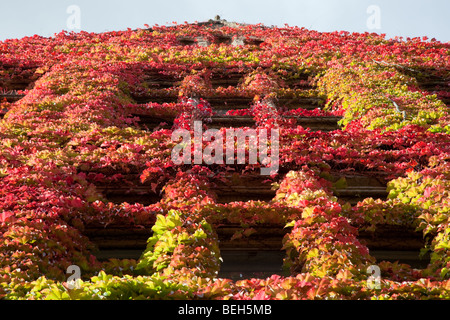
(76, 128)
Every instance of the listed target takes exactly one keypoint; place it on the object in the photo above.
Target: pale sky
(406, 18)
